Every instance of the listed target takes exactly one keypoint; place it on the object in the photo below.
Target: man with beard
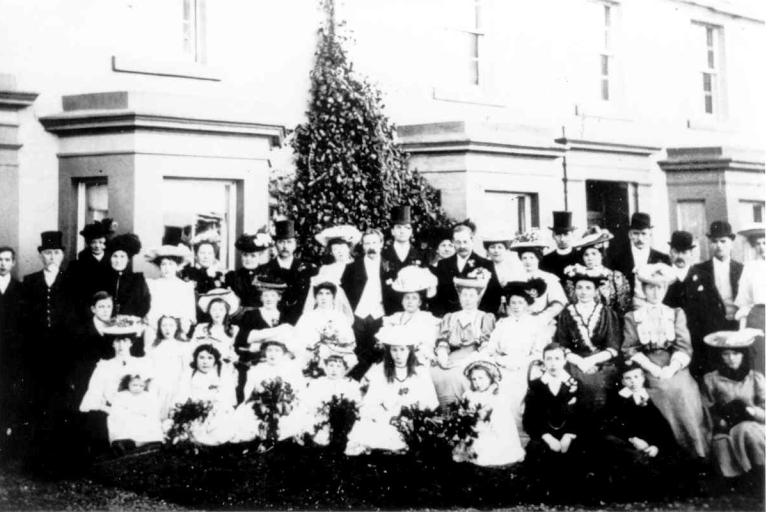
(296, 274)
(366, 284)
(681, 253)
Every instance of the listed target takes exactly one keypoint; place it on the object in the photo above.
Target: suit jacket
(86, 275)
(447, 299)
(355, 277)
(297, 277)
(675, 297)
(703, 306)
(555, 263)
(622, 260)
(240, 281)
(47, 310)
(129, 291)
(393, 265)
(10, 327)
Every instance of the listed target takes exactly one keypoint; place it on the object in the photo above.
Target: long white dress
(171, 360)
(383, 402)
(135, 417)
(105, 380)
(219, 390)
(321, 391)
(423, 328)
(327, 326)
(173, 297)
(497, 442)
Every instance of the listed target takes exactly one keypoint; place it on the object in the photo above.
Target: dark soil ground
(293, 477)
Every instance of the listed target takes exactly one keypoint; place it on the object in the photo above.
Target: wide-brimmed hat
(253, 243)
(179, 253)
(562, 222)
(732, 339)
(414, 279)
(284, 229)
(753, 230)
(400, 215)
(123, 326)
(347, 233)
(499, 236)
(529, 290)
(436, 235)
(595, 235)
(581, 275)
(477, 279)
(94, 231)
(127, 242)
(681, 241)
(721, 229)
(50, 240)
(225, 294)
(488, 366)
(273, 341)
(640, 221)
(656, 273)
(530, 241)
(397, 336)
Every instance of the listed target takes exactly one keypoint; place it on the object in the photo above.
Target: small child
(322, 390)
(497, 442)
(170, 355)
(134, 416)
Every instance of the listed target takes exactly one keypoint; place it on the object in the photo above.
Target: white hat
(656, 273)
(414, 279)
(225, 294)
(753, 229)
(732, 339)
(350, 234)
(123, 325)
(396, 336)
(180, 252)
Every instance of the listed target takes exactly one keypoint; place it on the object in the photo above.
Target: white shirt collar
(681, 273)
(52, 271)
(5, 281)
(721, 263)
(640, 397)
(564, 252)
(555, 382)
(285, 264)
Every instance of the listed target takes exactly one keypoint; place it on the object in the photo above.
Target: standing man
(240, 281)
(710, 291)
(638, 252)
(365, 283)
(564, 254)
(681, 253)
(462, 264)
(289, 269)
(400, 253)
(11, 348)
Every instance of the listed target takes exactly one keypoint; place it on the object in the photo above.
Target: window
(751, 211)
(710, 65)
(193, 30)
(692, 217)
(468, 44)
(518, 210)
(92, 204)
(606, 55)
(203, 209)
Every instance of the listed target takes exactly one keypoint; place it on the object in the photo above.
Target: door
(608, 206)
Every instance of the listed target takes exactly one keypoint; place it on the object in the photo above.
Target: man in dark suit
(710, 290)
(635, 252)
(400, 253)
(463, 264)
(681, 247)
(286, 267)
(11, 347)
(564, 254)
(366, 283)
(252, 248)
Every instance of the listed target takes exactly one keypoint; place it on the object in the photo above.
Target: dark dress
(88, 274)
(555, 263)
(249, 320)
(203, 284)
(240, 281)
(12, 376)
(447, 299)
(297, 277)
(586, 337)
(129, 292)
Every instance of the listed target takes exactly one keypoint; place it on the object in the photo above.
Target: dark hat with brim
(681, 241)
(528, 290)
(50, 240)
(94, 231)
(562, 222)
(720, 229)
(253, 243)
(128, 242)
(640, 221)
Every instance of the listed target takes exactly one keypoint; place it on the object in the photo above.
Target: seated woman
(277, 364)
(397, 382)
(323, 330)
(218, 330)
(170, 295)
(105, 380)
(462, 335)
(614, 291)
(517, 341)
(735, 395)
(589, 332)
(657, 339)
(413, 283)
(497, 442)
(205, 273)
(206, 382)
(170, 355)
(134, 417)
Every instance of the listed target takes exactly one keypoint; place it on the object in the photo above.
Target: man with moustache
(681, 248)
(366, 283)
(291, 270)
(11, 375)
(462, 264)
(564, 254)
(400, 253)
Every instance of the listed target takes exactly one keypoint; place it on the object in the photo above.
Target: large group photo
(418, 296)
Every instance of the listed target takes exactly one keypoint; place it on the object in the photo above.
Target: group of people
(599, 342)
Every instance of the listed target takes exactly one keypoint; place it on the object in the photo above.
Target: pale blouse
(465, 329)
(105, 380)
(516, 342)
(553, 293)
(752, 286)
(172, 297)
(386, 399)
(208, 387)
(287, 370)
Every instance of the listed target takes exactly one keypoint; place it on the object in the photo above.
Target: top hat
(720, 229)
(94, 231)
(561, 222)
(127, 242)
(640, 221)
(50, 240)
(284, 229)
(401, 215)
(681, 241)
(253, 243)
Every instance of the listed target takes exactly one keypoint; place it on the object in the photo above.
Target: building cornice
(16, 100)
(472, 146)
(607, 147)
(715, 158)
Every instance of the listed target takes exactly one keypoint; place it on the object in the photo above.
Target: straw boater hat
(579, 273)
(475, 279)
(732, 339)
(753, 230)
(488, 366)
(396, 336)
(345, 233)
(123, 326)
(224, 294)
(179, 253)
(656, 273)
(414, 279)
(268, 282)
(595, 235)
(531, 241)
(499, 236)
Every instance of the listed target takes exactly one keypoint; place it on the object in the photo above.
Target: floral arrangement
(480, 273)
(578, 269)
(184, 416)
(532, 236)
(340, 414)
(271, 401)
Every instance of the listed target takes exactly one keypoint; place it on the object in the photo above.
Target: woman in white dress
(170, 355)
(170, 294)
(414, 284)
(395, 383)
(218, 331)
(505, 262)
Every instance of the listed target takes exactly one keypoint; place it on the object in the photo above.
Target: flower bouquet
(273, 400)
(184, 417)
(339, 415)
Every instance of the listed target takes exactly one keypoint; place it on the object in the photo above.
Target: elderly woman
(205, 273)
(735, 395)
(412, 284)
(171, 295)
(462, 335)
(589, 332)
(657, 339)
(128, 289)
(254, 251)
(395, 383)
(752, 291)
(614, 290)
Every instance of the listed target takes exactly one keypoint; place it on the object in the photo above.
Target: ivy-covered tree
(348, 169)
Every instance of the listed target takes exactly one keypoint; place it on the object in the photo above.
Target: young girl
(497, 442)
(219, 331)
(322, 390)
(277, 363)
(134, 418)
(170, 354)
(170, 294)
(395, 383)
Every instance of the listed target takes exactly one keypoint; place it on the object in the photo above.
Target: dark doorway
(608, 206)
